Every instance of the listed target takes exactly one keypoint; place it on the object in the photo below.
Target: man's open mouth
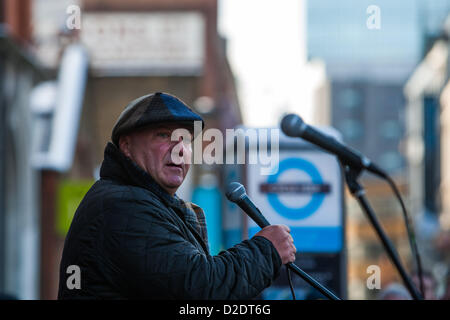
(175, 165)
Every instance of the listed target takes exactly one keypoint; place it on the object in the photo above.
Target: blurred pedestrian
(394, 291)
(446, 294)
(429, 285)
(7, 296)
(133, 237)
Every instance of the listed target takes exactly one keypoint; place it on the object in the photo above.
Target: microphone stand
(351, 176)
(262, 222)
(255, 214)
(327, 293)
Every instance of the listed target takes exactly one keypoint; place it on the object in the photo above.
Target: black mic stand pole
(351, 176)
(262, 222)
(327, 293)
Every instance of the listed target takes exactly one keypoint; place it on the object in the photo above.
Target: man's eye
(163, 134)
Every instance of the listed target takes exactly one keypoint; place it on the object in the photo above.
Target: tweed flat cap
(152, 109)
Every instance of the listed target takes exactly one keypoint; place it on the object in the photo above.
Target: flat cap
(151, 109)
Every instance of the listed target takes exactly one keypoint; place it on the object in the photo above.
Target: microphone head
(292, 125)
(235, 192)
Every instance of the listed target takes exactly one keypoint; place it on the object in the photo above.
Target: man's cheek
(175, 154)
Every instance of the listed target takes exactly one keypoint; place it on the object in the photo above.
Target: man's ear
(124, 145)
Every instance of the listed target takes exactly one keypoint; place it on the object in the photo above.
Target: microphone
(236, 193)
(293, 126)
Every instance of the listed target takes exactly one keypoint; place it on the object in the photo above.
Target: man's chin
(174, 183)
(171, 180)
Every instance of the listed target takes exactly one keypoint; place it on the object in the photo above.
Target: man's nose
(182, 147)
(180, 140)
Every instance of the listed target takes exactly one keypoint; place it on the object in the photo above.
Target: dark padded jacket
(130, 239)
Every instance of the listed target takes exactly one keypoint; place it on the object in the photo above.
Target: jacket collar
(118, 167)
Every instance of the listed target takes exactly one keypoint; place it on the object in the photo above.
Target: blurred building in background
(19, 182)
(444, 135)
(69, 67)
(368, 63)
(57, 111)
(423, 143)
(427, 141)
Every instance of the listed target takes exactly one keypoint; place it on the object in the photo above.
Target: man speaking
(133, 238)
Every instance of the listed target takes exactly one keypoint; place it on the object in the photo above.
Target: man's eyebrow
(160, 126)
(172, 129)
(188, 129)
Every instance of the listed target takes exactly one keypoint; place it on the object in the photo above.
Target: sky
(266, 46)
